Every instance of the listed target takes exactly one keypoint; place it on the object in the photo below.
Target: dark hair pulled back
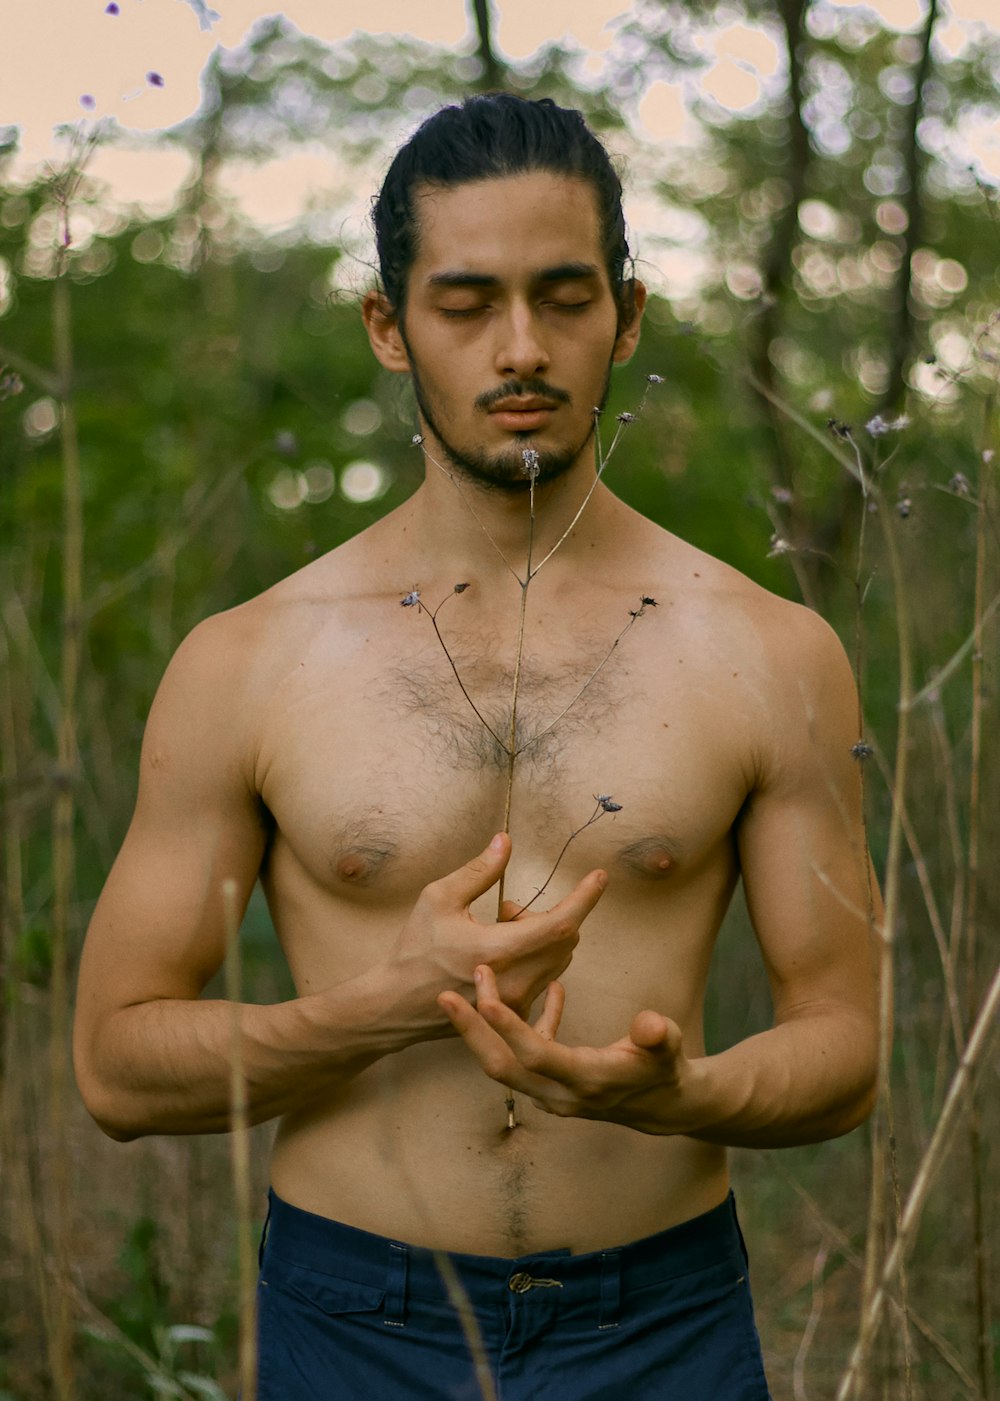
(487, 137)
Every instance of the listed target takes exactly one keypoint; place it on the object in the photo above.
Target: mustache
(514, 388)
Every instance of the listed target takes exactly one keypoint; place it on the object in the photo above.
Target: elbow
(107, 1111)
(106, 1105)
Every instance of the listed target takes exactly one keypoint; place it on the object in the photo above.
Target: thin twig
(451, 662)
(240, 1150)
(633, 616)
(930, 1165)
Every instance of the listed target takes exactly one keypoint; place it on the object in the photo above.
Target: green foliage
(223, 385)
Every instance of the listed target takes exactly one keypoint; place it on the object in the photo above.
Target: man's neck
(463, 525)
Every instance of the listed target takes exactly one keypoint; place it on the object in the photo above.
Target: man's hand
(643, 1081)
(442, 943)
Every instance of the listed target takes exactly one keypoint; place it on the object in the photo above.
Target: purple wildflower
(87, 101)
(155, 80)
(112, 9)
(529, 457)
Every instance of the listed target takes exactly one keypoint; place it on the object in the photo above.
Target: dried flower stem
(635, 614)
(604, 804)
(511, 748)
(930, 1164)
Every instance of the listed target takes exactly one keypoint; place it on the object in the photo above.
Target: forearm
(808, 1079)
(166, 1066)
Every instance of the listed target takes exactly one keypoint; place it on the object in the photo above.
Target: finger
(532, 1052)
(458, 889)
(547, 1024)
(488, 1046)
(652, 1032)
(577, 905)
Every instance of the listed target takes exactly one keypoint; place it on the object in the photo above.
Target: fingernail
(477, 976)
(497, 843)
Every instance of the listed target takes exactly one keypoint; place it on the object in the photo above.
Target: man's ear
(382, 325)
(628, 336)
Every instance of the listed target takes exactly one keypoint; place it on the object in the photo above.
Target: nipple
(650, 857)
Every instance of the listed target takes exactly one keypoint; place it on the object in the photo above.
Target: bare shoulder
(775, 667)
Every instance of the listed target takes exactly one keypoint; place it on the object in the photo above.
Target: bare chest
(386, 767)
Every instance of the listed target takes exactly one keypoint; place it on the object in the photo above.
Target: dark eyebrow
(562, 272)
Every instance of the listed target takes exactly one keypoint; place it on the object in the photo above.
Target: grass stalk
(981, 1273)
(63, 825)
(930, 1165)
(240, 1154)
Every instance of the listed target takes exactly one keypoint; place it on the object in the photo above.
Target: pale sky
(53, 52)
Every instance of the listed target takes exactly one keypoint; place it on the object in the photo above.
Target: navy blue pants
(346, 1314)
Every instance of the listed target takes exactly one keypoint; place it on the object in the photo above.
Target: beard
(503, 469)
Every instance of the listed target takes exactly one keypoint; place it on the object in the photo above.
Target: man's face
(510, 327)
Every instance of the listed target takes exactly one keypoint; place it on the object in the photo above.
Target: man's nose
(521, 348)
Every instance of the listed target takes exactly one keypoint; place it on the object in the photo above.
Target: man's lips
(522, 413)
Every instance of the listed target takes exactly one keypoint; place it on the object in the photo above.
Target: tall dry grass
(128, 1269)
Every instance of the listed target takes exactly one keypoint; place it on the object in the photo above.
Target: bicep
(811, 893)
(159, 927)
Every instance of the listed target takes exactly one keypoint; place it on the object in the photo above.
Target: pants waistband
(320, 1244)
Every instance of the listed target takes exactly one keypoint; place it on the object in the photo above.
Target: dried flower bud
(779, 546)
(529, 459)
(460, 588)
(626, 418)
(654, 379)
(839, 430)
(878, 426)
(411, 599)
(10, 385)
(903, 507)
(782, 495)
(861, 751)
(959, 484)
(416, 440)
(606, 803)
(648, 602)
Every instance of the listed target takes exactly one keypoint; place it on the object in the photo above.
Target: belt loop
(739, 1230)
(263, 1234)
(611, 1289)
(395, 1286)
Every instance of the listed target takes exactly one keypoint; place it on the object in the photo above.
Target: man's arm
(152, 1058)
(814, 906)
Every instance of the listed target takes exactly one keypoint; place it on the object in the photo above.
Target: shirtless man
(316, 737)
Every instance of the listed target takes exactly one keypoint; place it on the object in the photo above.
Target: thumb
(655, 1033)
(473, 879)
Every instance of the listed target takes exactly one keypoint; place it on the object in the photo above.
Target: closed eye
(458, 311)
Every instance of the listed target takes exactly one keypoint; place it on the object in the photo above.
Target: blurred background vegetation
(189, 411)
